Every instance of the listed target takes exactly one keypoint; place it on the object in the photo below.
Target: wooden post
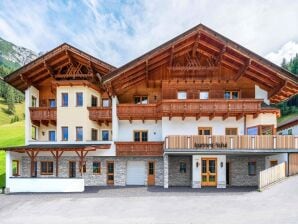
(32, 154)
(56, 154)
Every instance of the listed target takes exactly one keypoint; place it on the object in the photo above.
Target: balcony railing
(43, 114)
(192, 108)
(137, 112)
(139, 148)
(100, 114)
(253, 142)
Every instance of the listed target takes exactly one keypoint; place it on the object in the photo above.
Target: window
(261, 130)
(182, 95)
(252, 131)
(231, 131)
(290, 132)
(93, 101)
(83, 166)
(52, 103)
(105, 103)
(151, 168)
(93, 134)
(46, 168)
(273, 163)
(205, 131)
(79, 99)
(229, 95)
(64, 100)
(79, 133)
(33, 103)
(64, 133)
(15, 168)
(140, 136)
(105, 135)
(182, 168)
(141, 99)
(96, 168)
(52, 136)
(252, 168)
(33, 132)
(204, 95)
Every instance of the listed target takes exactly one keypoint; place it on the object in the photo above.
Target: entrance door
(33, 169)
(228, 173)
(72, 169)
(151, 173)
(209, 172)
(110, 172)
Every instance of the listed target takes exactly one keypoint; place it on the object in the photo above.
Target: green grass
(10, 135)
(4, 117)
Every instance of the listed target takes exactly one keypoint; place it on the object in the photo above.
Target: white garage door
(135, 174)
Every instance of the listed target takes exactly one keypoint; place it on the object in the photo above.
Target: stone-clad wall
(239, 170)
(175, 177)
(96, 179)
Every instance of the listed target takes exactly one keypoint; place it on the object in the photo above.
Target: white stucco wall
(126, 130)
(262, 119)
(261, 94)
(197, 171)
(31, 91)
(281, 157)
(189, 126)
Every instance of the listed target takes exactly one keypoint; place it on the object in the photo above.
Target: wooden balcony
(193, 108)
(100, 114)
(139, 148)
(44, 115)
(137, 112)
(237, 142)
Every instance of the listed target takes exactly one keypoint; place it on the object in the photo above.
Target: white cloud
(118, 32)
(287, 51)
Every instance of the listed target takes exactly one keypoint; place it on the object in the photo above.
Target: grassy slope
(4, 117)
(10, 135)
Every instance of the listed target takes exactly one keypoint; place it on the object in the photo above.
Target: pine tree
(284, 64)
(10, 101)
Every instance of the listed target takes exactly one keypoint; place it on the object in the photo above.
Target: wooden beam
(196, 45)
(147, 73)
(219, 56)
(49, 68)
(242, 70)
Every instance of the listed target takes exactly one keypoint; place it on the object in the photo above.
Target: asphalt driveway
(279, 204)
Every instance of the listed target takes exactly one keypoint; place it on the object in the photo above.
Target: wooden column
(82, 154)
(57, 154)
(32, 154)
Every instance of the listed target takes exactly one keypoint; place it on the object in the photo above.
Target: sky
(119, 31)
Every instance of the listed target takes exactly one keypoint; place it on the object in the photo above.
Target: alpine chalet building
(196, 111)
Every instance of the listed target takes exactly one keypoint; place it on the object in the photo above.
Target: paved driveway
(278, 204)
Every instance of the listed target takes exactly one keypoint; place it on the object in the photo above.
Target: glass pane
(204, 95)
(64, 133)
(204, 178)
(110, 177)
(52, 136)
(105, 135)
(136, 136)
(204, 166)
(182, 95)
(144, 100)
(235, 95)
(212, 166)
(64, 99)
(33, 101)
(33, 133)
(110, 168)
(207, 132)
(144, 136)
(50, 167)
(267, 130)
(252, 131)
(211, 178)
(93, 101)
(151, 168)
(79, 134)
(79, 99)
(227, 95)
(106, 103)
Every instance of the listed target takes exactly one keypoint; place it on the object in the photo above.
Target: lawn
(10, 135)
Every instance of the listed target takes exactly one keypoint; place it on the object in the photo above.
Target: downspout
(244, 124)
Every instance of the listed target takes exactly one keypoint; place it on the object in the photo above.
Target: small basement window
(252, 168)
(182, 168)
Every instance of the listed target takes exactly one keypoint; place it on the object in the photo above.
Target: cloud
(287, 51)
(118, 31)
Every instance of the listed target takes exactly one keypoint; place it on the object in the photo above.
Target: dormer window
(181, 95)
(141, 99)
(231, 95)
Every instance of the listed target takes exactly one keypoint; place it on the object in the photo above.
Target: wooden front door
(209, 172)
(110, 172)
(72, 169)
(151, 173)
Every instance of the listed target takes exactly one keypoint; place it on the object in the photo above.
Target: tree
(284, 64)
(10, 101)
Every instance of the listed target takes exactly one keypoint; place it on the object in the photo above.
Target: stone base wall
(239, 170)
(120, 165)
(175, 177)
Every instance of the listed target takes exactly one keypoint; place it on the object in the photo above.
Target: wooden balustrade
(100, 114)
(43, 115)
(232, 142)
(192, 108)
(139, 148)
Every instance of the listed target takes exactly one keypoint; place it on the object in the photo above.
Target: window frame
(255, 168)
(17, 168)
(64, 127)
(204, 129)
(204, 91)
(105, 100)
(181, 91)
(79, 104)
(51, 131)
(182, 169)
(231, 94)
(92, 130)
(230, 128)
(63, 102)
(102, 131)
(52, 100)
(141, 97)
(141, 135)
(96, 100)
(77, 139)
(33, 101)
(47, 166)
(35, 132)
(99, 167)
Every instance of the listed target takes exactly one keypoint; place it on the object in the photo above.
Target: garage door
(135, 174)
